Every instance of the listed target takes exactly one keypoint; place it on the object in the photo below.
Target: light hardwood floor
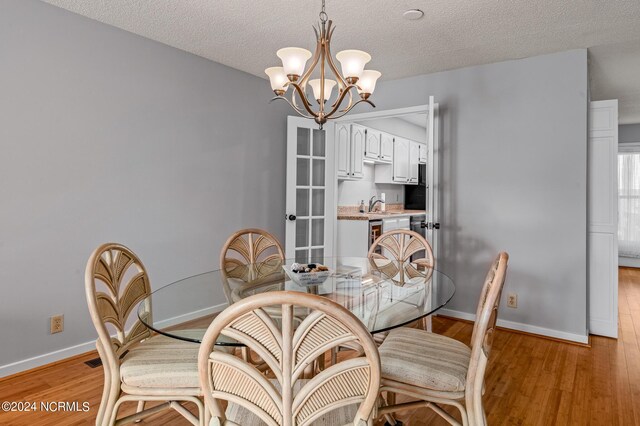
(531, 381)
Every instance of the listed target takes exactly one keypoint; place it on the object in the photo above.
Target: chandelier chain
(323, 14)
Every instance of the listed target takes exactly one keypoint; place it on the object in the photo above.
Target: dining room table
(382, 294)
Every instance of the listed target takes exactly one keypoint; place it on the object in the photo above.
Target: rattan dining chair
(250, 258)
(344, 393)
(432, 369)
(391, 255)
(250, 255)
(398, 246)
(137, 366)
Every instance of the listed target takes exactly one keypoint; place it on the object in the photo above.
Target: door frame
(430, 138)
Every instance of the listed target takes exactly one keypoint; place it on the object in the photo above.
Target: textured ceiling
(245, 34)
(615, 74)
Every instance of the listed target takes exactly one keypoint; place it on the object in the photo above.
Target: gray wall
(514, 178)
(107, 136)
(629, 133)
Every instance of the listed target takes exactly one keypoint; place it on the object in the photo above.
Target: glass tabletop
(383, 294)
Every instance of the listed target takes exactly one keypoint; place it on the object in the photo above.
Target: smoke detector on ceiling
(413, 14)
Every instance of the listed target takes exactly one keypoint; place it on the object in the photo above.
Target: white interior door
(433, 189)
(310, 191)
(602, 216)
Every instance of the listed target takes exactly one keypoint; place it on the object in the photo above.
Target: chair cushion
(162, 362)
(424, 359)
(342, 416)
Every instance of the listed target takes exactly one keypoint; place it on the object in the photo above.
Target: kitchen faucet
(373, 203)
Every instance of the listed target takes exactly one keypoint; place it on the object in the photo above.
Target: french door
(433, 182)
(310, 191)
(602, 214)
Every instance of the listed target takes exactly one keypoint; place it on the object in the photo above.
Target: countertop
(376, 215)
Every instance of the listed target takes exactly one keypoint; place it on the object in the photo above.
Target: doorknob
(290, 217)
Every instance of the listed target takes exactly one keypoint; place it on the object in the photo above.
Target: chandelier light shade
(278, 79)
(367, 83)
(295, 74)
(294, 60)
(328, 88)
(353, 62)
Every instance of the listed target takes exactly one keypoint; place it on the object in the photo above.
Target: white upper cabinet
(372, 145)
(396, 158)
(386, 148)
(401, 160)
(414, 155)
(343, 144)
(423, 154)
(358, 139)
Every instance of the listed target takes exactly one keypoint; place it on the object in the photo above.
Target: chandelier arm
(337, 104)
(304, 100)
(345, 112)
(293, 99)
(341, 82)
(340, 99)
(314, 61)
(296, 109)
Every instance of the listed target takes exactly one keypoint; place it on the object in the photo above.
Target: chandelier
(292, 74)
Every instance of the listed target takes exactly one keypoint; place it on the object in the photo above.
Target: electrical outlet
(512, 300)
(56, 324)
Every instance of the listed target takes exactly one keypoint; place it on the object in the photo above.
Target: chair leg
(427, 323)
(390, 419)
(207, 417)
(106, 401)
(463, 414)
(110, 409)
(114, 412)
(110, 390)
(139, 409)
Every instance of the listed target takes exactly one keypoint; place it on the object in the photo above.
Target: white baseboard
(521, 327)
(629, 262)
(40, 360)
(191, 315)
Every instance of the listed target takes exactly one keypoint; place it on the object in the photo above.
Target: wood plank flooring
(530, 381)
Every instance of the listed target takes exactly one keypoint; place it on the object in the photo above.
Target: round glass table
(383, 294)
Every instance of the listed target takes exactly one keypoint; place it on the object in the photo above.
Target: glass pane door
(309, 192)
(310, 195)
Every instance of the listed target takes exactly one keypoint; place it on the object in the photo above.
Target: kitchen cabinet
(414, 156)
(393, 223)
(396, 158)
(401, 160)
(353, 236)
(350, 141)
(372, 145)
(403, 168)
(358, 139)
(386, 148)
(422, 159)
(343, 145)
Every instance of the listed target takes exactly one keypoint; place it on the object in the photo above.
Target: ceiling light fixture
(292, 74)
